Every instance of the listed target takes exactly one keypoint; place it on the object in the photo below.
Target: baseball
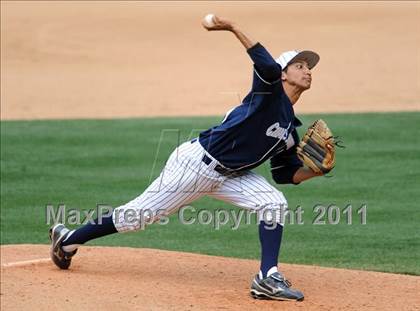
(208, 20)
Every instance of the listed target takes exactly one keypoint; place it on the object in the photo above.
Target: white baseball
(209, 20)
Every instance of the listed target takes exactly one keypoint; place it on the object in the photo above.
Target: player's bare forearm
(304, 173)
(219, 23)
(246, 41)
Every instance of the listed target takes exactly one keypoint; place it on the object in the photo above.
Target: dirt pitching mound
(110, 278)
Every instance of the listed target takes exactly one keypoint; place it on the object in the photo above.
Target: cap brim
(310, 57)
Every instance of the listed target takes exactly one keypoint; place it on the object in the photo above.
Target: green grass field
(82, 163)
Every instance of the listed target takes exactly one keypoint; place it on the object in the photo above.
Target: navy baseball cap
(289, 57)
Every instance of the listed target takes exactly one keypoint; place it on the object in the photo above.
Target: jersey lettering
(277, 131)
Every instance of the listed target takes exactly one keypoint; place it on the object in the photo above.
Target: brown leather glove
(317, 148)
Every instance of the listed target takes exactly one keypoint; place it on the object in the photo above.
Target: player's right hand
(218, 24)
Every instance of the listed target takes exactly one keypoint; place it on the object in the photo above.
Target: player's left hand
(317, 148)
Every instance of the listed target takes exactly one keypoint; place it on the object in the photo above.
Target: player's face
(298, 74)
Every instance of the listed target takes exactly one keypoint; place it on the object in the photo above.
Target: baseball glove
(317, 148)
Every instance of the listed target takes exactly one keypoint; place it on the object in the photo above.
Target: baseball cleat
(274, 287)
(60, 258)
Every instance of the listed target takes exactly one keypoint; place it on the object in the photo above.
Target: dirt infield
(109, 278)
(79, 59)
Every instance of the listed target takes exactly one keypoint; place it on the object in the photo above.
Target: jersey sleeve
(265, 66)
(284, 166)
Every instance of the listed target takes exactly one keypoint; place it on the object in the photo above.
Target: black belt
(218, 168)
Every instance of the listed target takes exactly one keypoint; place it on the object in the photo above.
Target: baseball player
(219, 162)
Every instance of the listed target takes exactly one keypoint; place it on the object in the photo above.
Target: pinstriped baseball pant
(186, 178)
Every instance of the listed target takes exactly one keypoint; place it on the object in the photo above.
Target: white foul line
(25, 262)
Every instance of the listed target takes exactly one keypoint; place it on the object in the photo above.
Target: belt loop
(206, 159)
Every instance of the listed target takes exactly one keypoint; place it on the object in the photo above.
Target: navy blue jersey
(262, 127)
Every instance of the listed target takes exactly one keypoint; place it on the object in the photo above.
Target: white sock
(69, 235)
(70, 248)
(272, 270)
(269, 272)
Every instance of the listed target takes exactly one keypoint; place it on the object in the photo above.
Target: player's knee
(273, 212)
(130, 219)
